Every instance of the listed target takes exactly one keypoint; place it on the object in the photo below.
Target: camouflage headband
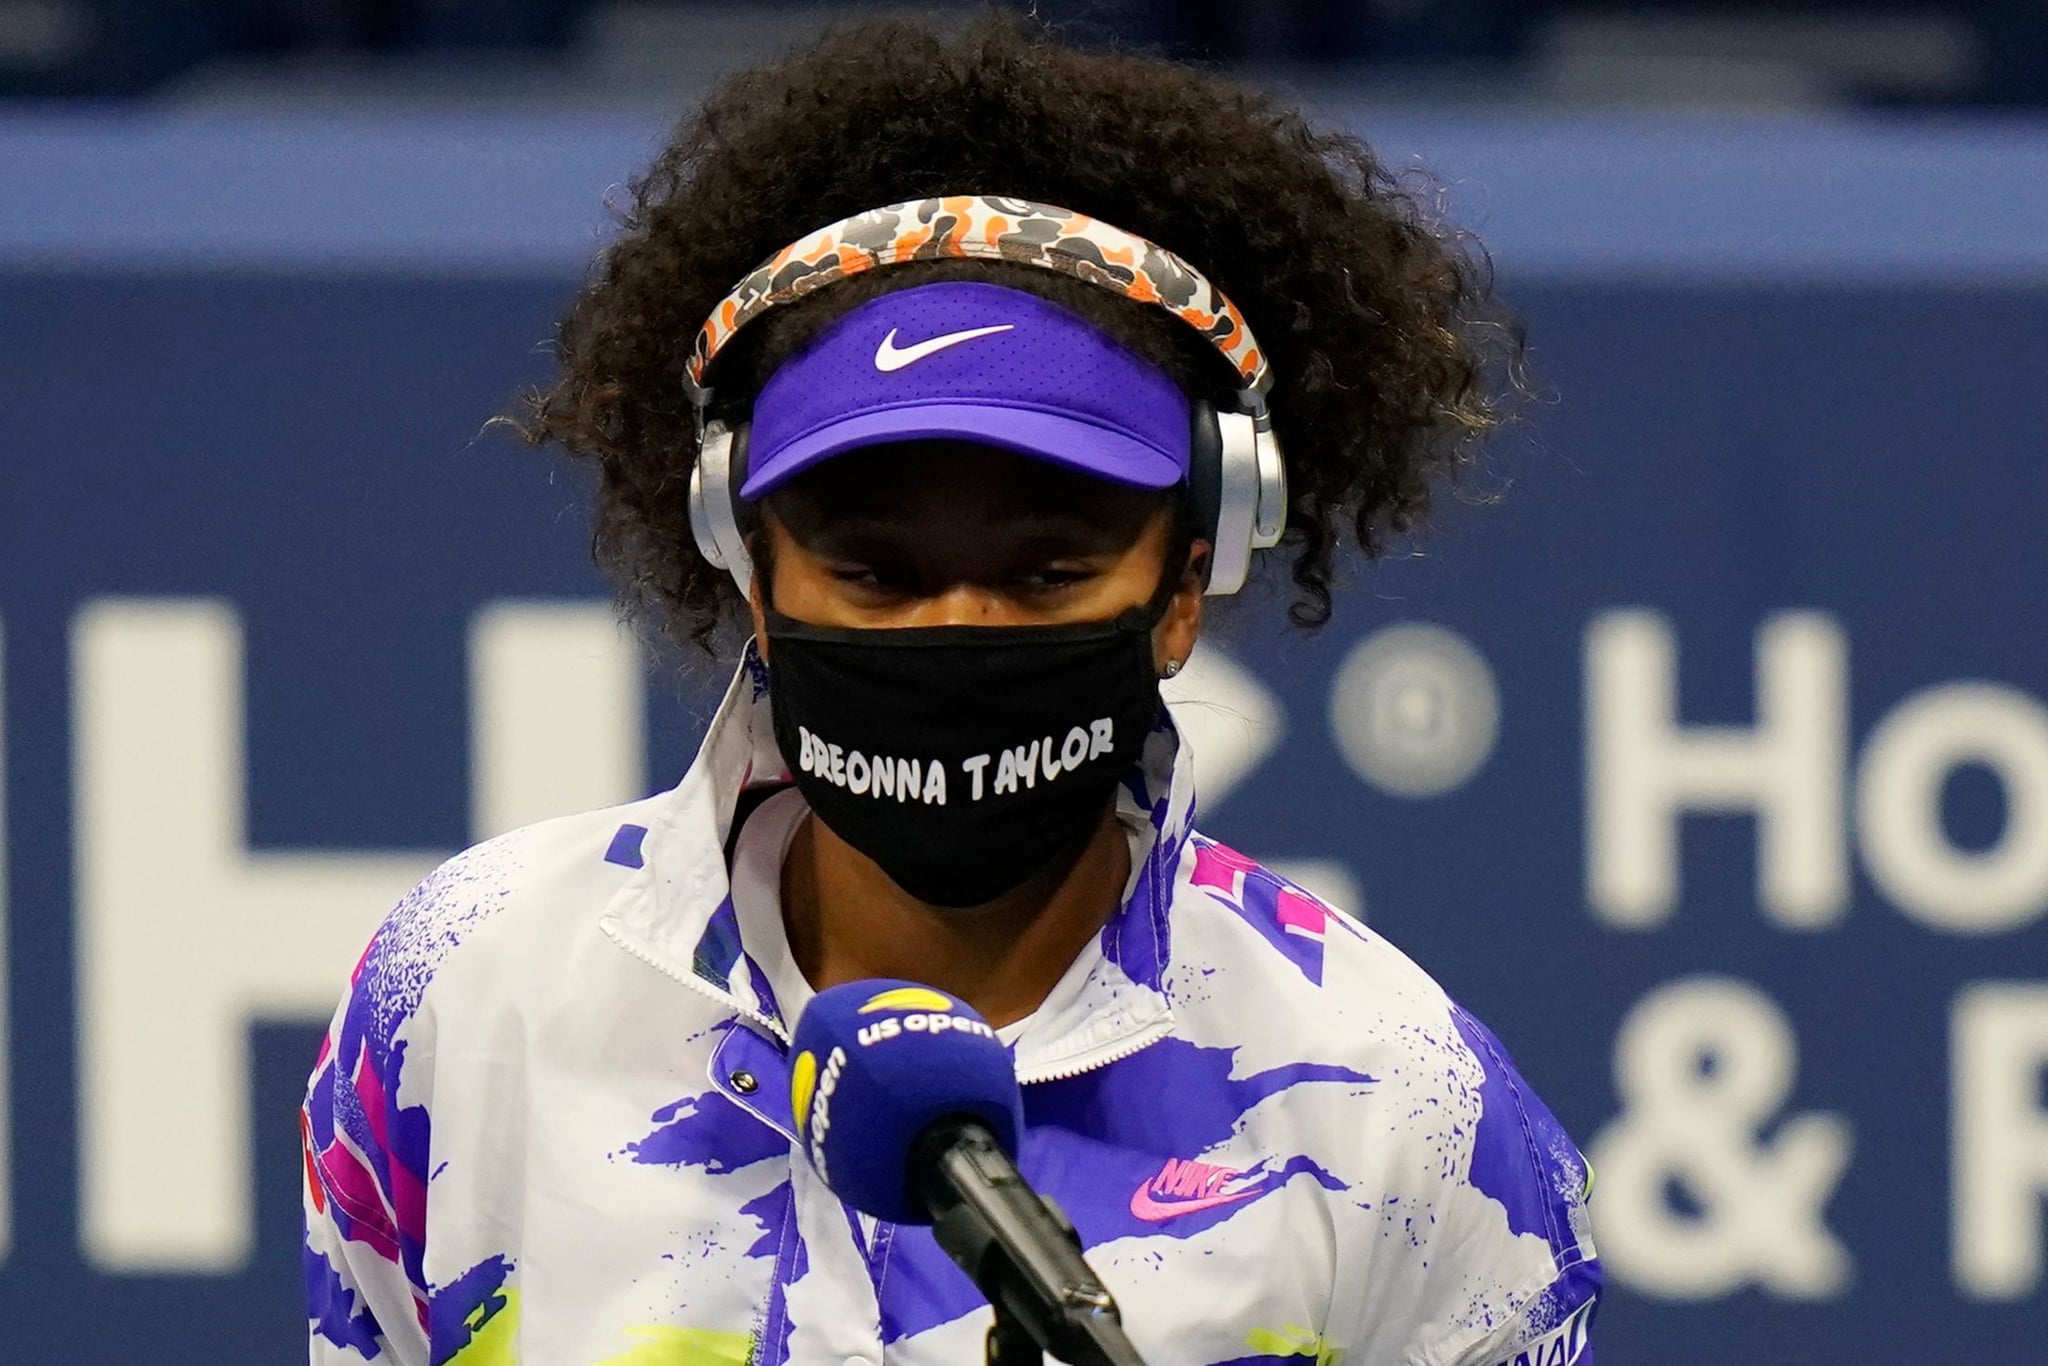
(971, 226)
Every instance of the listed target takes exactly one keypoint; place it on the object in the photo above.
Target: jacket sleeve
(1526, 1162)
(365, 1151)
(1513, 1277)
(1555, 1328)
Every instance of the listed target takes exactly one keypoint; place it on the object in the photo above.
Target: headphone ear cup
(1237, 501)
(1269, 523)
(700, 519)
(714, 501)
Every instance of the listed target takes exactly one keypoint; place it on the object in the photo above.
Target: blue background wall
(1796, 367)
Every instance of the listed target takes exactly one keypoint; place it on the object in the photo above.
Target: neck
(847, 922)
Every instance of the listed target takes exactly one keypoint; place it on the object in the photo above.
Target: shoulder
(494, 917)
(1472, 1180)
(513, 900)
(456, 971)
(1274, 959)
(1260, 960)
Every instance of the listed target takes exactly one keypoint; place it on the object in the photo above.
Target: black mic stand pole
(1010, 1343)
(1045, 1296)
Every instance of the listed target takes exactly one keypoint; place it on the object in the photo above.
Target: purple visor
(972, 362)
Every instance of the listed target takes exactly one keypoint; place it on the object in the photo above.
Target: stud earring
(1172, 668)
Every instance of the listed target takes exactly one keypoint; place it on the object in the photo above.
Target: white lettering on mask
(871, 775)
(973, 769)
(924, 780)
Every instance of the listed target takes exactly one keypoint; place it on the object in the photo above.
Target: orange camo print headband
(991, 229)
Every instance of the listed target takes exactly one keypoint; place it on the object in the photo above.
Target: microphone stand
(1010, 1343)
(1045, 1298)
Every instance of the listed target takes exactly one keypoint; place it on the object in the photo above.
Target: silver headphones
(1237, 480)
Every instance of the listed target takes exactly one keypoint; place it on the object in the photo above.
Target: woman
(961, 369)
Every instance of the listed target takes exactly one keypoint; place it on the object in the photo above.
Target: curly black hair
(1390, 358)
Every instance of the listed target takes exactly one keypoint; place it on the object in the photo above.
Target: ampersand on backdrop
(1701, 1065)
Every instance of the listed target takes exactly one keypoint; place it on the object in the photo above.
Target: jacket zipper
(1137, 1043)
(701, 986)
(1142, 1040)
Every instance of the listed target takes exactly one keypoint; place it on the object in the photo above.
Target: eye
(872, 578)
(1053, 577)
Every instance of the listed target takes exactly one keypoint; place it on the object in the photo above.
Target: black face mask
(963, 759)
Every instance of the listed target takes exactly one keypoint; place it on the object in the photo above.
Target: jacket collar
(676, 911)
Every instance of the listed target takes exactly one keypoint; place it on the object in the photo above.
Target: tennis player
(962, 371)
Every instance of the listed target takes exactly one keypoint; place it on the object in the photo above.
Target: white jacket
(550, 1124)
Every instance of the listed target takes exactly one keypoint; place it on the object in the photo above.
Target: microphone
(907, 1104)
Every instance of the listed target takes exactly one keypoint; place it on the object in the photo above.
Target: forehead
(942, 488)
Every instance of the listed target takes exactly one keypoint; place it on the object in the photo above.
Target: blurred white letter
(184, 935)
(1898, 802)
(1998, 1041)
(556, 722)
(1644, 770)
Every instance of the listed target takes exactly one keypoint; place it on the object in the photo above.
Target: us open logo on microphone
(929, 1012)
(810, 1096)
(926, 1022)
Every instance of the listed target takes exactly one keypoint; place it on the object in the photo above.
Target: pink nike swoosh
(1157, 1211)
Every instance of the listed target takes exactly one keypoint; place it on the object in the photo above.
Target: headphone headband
(982, 228)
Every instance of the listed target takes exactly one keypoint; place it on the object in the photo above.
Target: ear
(1173, 639)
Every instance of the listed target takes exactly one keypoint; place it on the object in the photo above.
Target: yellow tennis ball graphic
(803, 1079)
(907, 998)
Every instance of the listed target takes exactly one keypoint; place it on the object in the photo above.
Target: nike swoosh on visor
(890, 357)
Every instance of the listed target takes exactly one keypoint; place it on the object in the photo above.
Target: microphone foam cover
(877, 1063)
